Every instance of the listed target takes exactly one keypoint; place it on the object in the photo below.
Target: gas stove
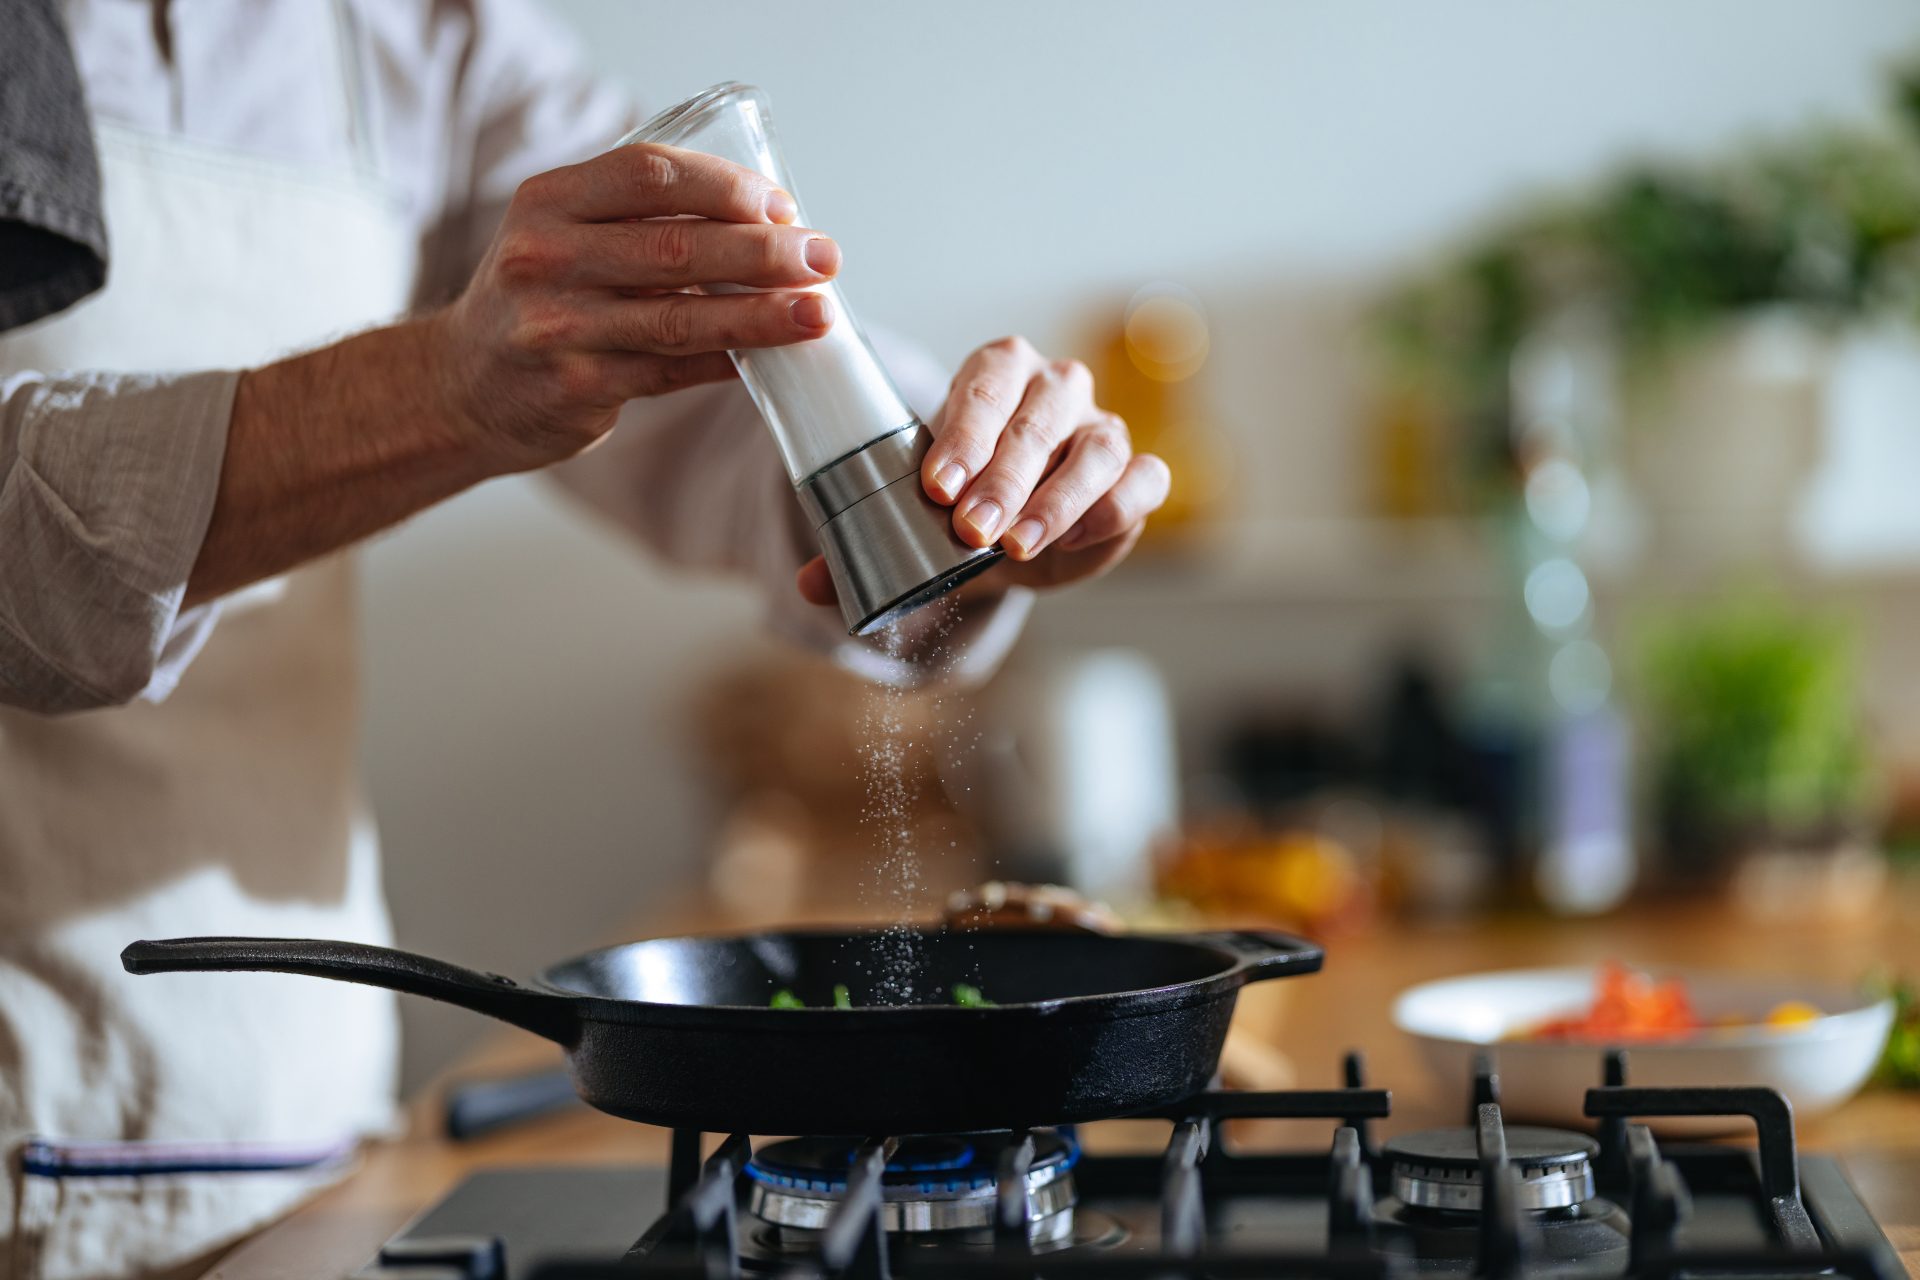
(1485, 1199)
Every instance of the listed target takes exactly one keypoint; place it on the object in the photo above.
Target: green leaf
(1900, 1061)
(1754, 712)
(1824, 220)
(785, 999)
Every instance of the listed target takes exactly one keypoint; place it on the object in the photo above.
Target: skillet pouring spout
(555, 1017)
(1264, 954)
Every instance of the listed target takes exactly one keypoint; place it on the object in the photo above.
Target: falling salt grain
(891, 793)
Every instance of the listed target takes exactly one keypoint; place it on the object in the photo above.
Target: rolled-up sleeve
(107, 482)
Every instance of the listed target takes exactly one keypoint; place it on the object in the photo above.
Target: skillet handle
(1266, 954)
(554, 1016)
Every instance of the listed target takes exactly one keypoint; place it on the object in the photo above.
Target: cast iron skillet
(677, 1031)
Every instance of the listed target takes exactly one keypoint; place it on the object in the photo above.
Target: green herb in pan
(965, 994)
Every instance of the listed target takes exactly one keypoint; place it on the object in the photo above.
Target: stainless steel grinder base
(889, 547)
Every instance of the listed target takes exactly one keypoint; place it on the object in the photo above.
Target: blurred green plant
(1757, 734)
(1900, 1061)
(1826, 222)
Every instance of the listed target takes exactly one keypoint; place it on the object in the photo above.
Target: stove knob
(465, 1257)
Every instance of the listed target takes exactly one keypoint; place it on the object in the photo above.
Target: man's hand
(1024, 456)
(588, 297)
(585, 301)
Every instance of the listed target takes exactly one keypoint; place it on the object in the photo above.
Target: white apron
(149, 1121)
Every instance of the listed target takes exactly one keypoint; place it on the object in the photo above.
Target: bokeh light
(1556, 594)
(1166, 332)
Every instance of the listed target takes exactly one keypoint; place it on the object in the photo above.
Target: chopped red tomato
(1627, 1006)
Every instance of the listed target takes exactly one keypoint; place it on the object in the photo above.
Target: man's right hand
(588, 296)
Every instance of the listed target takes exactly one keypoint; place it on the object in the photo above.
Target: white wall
(998, 165)
(999, 162)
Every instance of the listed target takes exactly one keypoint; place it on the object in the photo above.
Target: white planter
(1723, 438)
(1861, 507)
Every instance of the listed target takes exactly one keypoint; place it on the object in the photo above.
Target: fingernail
(823, 256)
(780, 206)
(984, 516)
(810, 311)
(1072, 537)
(1026, 535)
(949, 480)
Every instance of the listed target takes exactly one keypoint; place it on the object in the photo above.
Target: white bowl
(1817, 1065)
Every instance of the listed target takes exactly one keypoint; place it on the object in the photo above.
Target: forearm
(329, 447)
(579, 306)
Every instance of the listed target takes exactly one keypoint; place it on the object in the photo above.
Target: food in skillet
(965, 994)
(1631, 1007)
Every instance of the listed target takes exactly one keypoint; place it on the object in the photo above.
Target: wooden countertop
(1877, 1135)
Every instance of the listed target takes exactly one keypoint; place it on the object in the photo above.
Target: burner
(932, 1184)
(1440, 1168)
(1189, 1212)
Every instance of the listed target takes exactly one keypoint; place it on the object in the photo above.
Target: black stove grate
(699, 1236)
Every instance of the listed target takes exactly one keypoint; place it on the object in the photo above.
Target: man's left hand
(1024, 457)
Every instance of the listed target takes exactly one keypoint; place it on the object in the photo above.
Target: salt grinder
(851, 444)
